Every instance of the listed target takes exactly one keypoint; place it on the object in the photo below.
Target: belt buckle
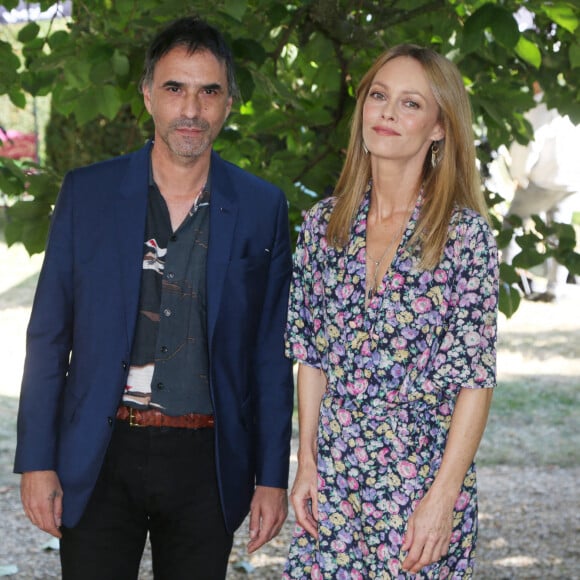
(133, 419)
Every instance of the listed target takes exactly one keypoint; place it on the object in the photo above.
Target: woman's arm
(430, 526)
(311, 388)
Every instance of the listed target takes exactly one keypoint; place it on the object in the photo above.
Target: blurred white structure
(542, 178)
(30, 11)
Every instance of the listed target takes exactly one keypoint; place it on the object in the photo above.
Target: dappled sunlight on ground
(529, 508)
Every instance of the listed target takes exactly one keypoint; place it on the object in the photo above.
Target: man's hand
(268, 511)
(41, 495)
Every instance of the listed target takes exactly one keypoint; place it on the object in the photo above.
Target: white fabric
(546, 178)
(551, 159)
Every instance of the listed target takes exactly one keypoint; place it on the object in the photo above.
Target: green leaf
(13, 232)
(77, 73)
(121, 65)
(29, 32)
(30, 232)
(32, 50)
(110, 101)
(235, 8)
(10, 187)
(8, 60)
(566, 236)
(86, 108)
(64, 99)
(118, 11)
(270, 121)
(528, 258)
(17, 98)
(503, 238)
(42, 186)
(92, 103)
(39, 82)
(472, 39)
(562, 14)
(529, 52)
(11, 178)
(317, 116)
(34, 234)
(27, 210)
(328, 44)
(100, 72)
(249, 49)
(58, 39)
(529, 240)
(505, 28)
(500, 21)
(507, 273)
(491, 108)
(509, 300)
(246, 84)
(574, 55)
(573, 263)
(540, 226)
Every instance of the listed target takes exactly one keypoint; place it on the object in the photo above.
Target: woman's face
(400, 114)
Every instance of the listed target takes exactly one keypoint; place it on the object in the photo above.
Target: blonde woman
(392, 318)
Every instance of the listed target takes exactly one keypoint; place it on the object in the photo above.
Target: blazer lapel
(130, 215)
(223, 217)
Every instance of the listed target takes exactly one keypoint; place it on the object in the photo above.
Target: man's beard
(185, 146)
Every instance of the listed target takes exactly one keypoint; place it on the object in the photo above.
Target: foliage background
(298, 64)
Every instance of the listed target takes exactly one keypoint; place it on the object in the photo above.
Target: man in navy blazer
(172, 419)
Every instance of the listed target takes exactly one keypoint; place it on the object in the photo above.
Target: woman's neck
(394, 188)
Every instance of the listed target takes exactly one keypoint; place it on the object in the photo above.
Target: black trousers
(156, 480)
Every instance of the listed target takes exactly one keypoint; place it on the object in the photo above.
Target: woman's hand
(304, 498)
(304, 495)
(428, 532)
(430, 526)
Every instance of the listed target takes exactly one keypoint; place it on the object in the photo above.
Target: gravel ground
(529, 516)
(529, 528)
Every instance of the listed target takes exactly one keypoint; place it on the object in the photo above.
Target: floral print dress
(394, 369)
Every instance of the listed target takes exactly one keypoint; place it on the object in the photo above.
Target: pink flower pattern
(394, 369)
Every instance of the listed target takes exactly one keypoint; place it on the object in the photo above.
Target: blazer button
(125, 365)
(110, 421)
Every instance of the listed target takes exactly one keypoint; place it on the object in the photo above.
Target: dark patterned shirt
(169, 359)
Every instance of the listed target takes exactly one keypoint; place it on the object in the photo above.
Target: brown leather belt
(155, 418)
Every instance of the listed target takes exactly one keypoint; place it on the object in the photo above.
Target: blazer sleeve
(274, 389)
(49, 342)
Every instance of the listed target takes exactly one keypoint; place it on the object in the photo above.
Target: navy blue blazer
(83, 319)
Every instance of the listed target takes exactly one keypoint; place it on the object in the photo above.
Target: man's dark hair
(193, 34)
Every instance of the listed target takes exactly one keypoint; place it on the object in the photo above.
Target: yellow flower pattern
(394, 368)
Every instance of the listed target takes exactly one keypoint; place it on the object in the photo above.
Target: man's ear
(228, 108)
(146, 90)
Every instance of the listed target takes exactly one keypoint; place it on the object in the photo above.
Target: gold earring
(434, 153)
(365, 149)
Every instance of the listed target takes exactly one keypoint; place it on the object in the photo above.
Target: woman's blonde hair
(453, 181)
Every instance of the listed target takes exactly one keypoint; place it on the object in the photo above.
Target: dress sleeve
(306, 294)
(467, 352)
